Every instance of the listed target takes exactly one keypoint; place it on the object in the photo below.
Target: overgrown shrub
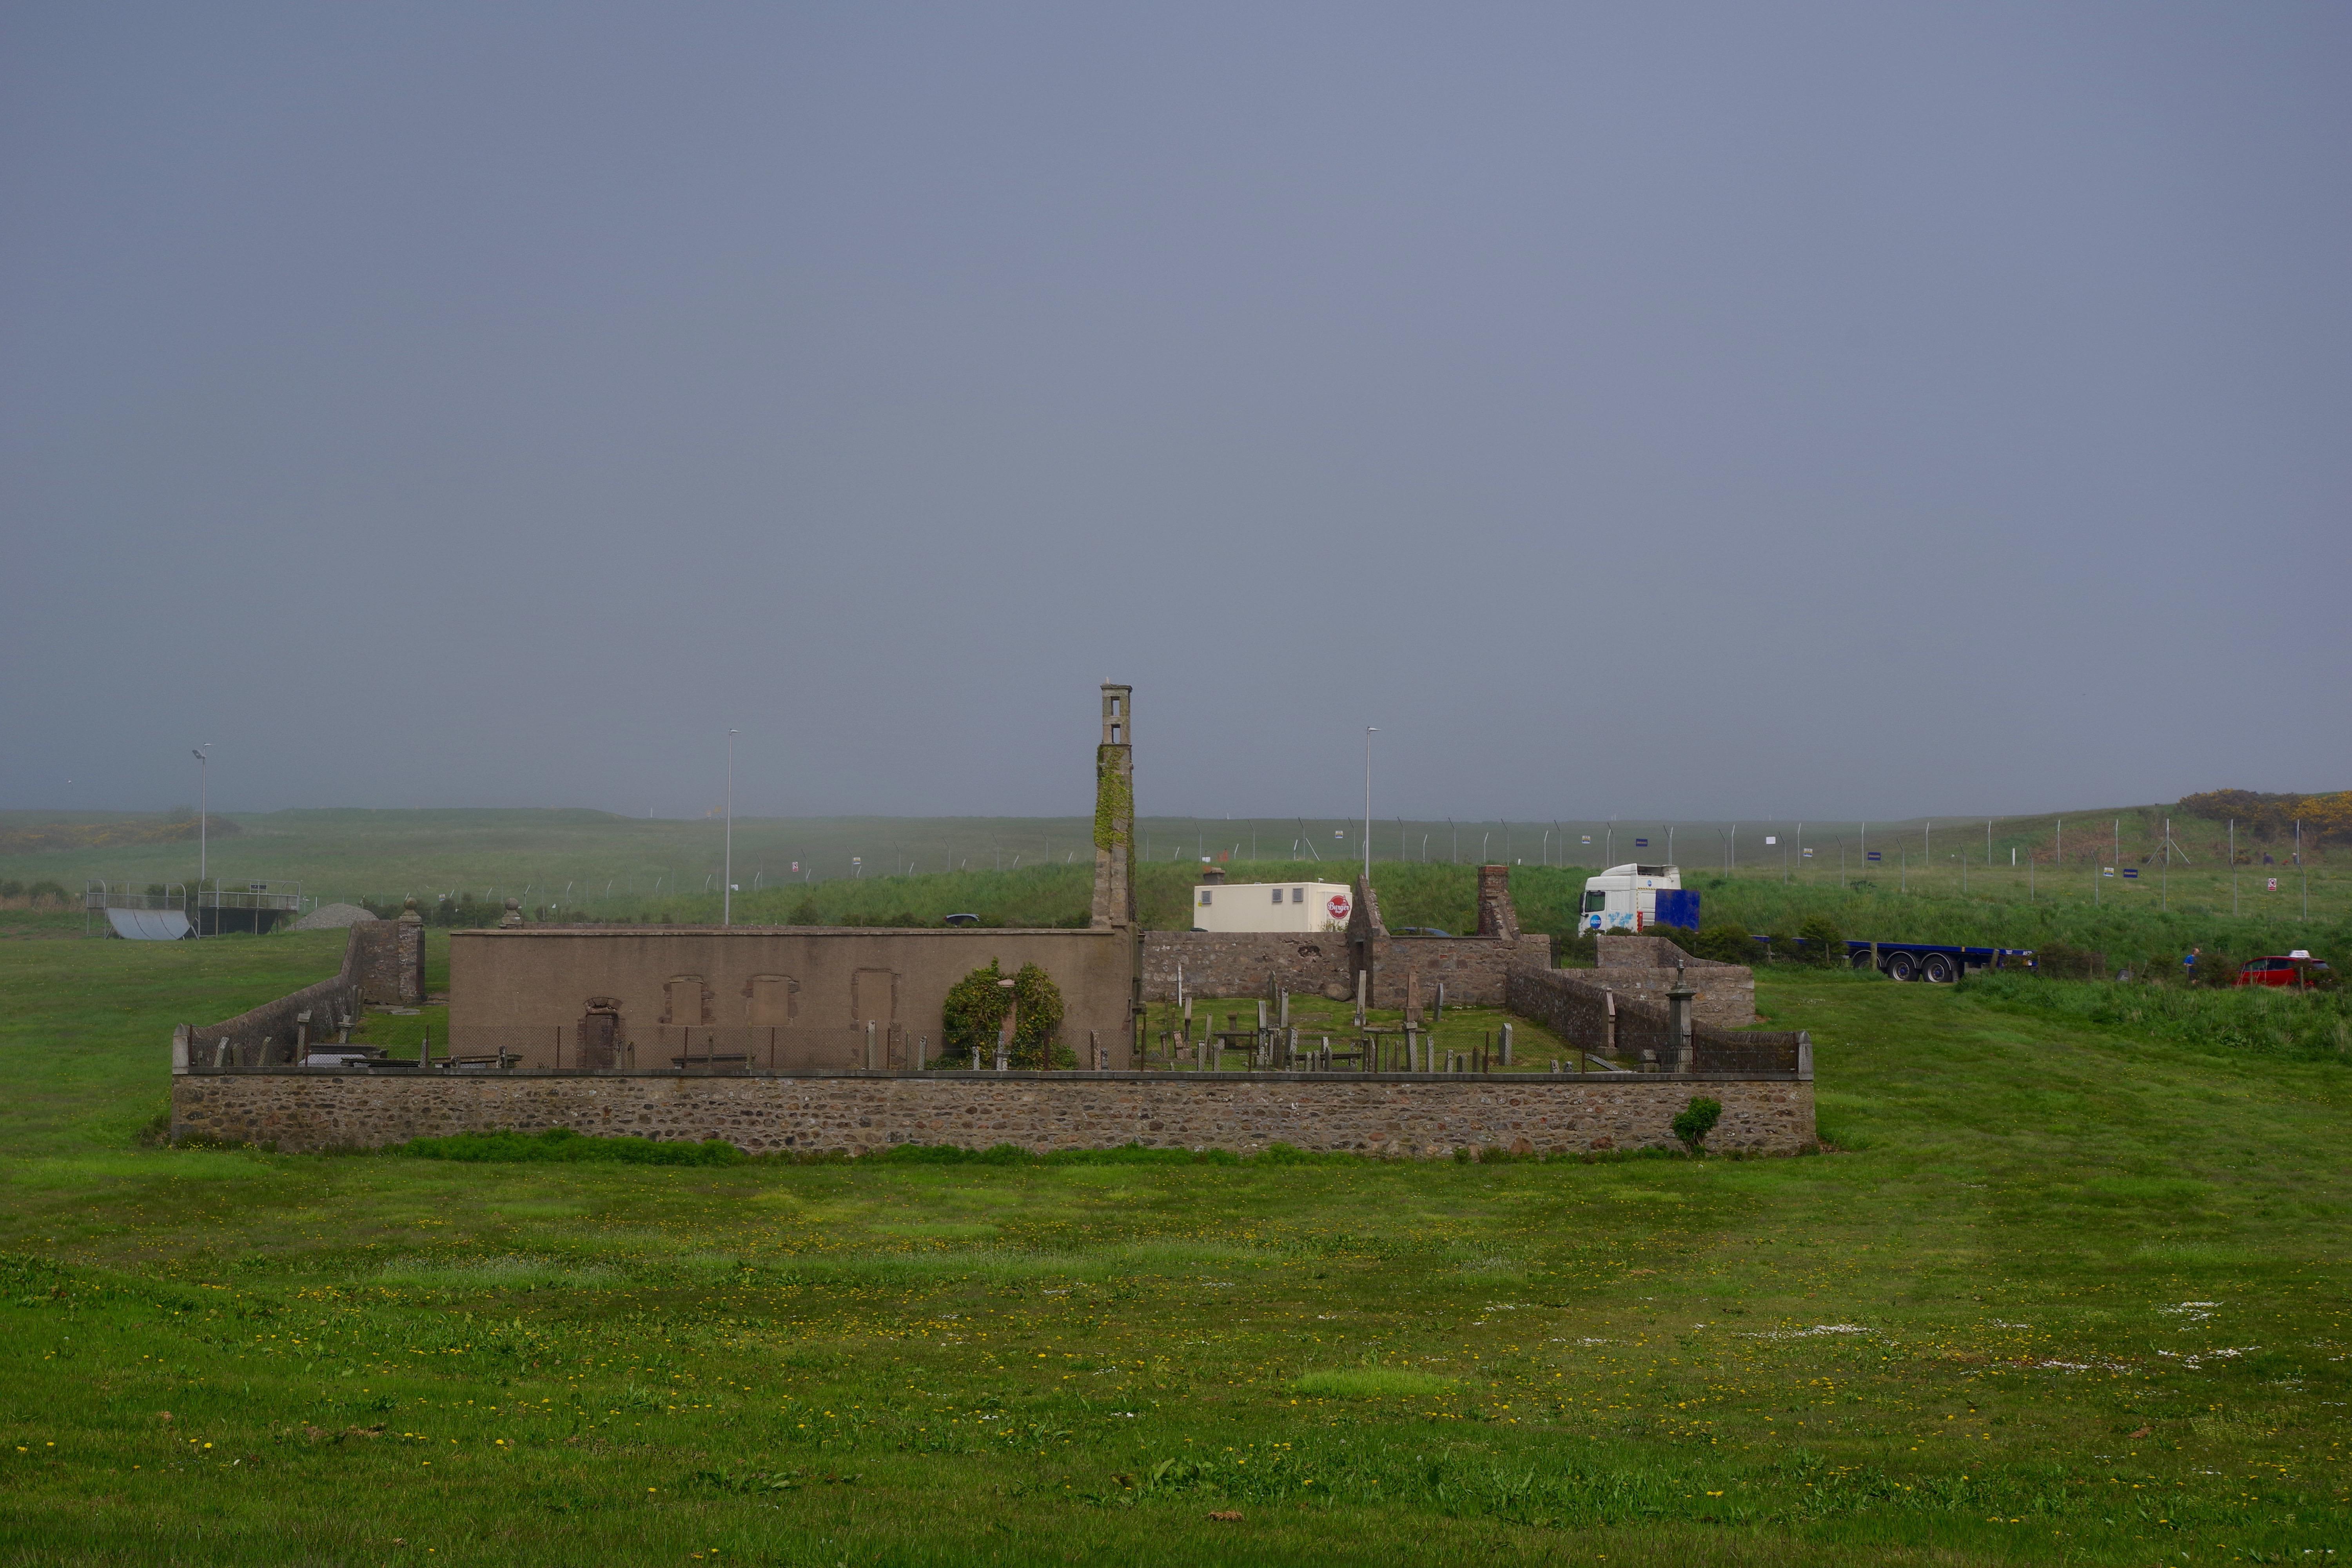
(1580, 949)
(2056, 961)
(1694, 1121)
(1725, 944)
(1824, 943)
(974, 1012)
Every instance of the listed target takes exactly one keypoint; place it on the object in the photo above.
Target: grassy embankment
(2076, 1293)
(606, 866)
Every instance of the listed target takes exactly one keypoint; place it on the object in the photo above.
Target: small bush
(1824, 942)
(1695, 1121)
(1725, 943)
(2056, 961)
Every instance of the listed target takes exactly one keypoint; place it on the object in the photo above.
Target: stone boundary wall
(1237, 963)
(1474, 970)
(1577, 1009)
(388, 961)
(1724, 994)
(269, 1033)
(1645, 966)
(1623, 950)
(1393, 1115)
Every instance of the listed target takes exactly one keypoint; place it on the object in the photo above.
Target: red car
(2297, 969)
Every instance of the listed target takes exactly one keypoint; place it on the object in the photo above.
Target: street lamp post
(1369, 734)
(727, 863)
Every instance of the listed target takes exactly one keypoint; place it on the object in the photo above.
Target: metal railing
(253, 896)
(97, 894)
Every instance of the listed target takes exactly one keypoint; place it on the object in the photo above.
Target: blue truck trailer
(1638, 897)
(1938, 963)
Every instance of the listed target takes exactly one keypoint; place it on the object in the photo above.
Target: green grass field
(2073, 1290)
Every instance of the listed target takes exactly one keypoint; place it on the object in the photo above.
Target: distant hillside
(2274, 816)
(46, 836)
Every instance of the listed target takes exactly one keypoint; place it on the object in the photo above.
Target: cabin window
(1298, 895)
(1278, 895)
(1205, 900)
(1595, 901)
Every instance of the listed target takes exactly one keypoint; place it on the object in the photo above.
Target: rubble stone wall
(1474, 970)
(855, 1113)
(387, 959)
(270, 1032)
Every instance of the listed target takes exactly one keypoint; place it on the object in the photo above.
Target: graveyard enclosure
(855, 1113)
(383, 963)
(1474, 970)
(599, 998)
(1254, 964)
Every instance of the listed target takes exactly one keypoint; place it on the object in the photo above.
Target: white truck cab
(1625, 898)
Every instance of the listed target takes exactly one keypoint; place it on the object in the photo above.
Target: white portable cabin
(1625, 898)
(1272, 906)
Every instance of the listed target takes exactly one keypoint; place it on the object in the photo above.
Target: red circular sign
(1337, 905)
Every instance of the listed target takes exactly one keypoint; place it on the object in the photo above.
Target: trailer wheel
(1940, 970)
(1902, 966)
(1861, 959)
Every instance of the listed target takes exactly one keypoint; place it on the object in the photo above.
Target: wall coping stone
(961, 933)
(987, 1076)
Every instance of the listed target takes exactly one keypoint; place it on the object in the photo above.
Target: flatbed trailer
(1938, 963)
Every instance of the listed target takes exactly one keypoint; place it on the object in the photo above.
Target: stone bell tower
(1113, 906)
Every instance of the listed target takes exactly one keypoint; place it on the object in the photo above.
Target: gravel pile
(333, 917)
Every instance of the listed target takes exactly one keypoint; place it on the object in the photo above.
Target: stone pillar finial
(408, 910)
(513, 917)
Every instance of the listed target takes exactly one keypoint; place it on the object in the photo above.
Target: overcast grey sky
(1701, 411)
